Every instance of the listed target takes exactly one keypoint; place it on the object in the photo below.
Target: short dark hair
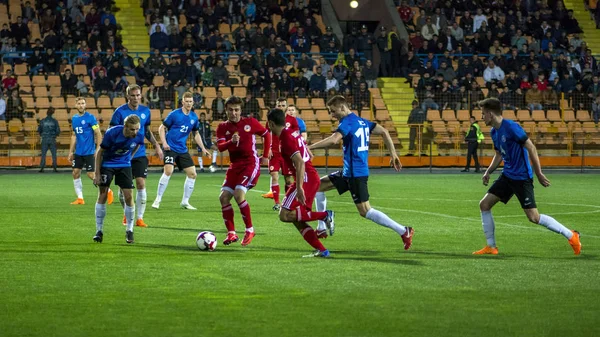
(492, 104)
(233, 100)
(276, 116)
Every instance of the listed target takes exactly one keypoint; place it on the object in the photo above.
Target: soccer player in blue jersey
(516, 150)
(139, 163)
(355, 131)
(113, 160)
(180, 123)
(84, 140)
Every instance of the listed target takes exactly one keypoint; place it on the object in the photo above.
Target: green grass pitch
(54, 281)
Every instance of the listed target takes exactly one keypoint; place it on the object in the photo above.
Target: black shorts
(182, 160)
(139, 167)
(504, 188)
(122, 175)
(357, 186)
(89, 162)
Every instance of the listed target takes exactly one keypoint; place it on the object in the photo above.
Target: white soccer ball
(212, 169)
(206, 241)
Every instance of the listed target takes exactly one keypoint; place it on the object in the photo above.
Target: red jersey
(291, 142)
(290, 123)
(244, 151)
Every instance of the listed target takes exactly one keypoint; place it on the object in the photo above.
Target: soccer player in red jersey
(238, 136)
(276, 162)
(297, 204)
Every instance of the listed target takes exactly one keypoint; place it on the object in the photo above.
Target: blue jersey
(355, 132)
(142, 112)
(509, 140)
(301, 124)
(84, 127)
(117, 148)
(180, 125)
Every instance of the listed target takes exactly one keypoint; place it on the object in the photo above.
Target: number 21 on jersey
(363, 134)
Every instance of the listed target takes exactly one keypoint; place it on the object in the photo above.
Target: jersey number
(302, 147)
(363, 134)
(184, 128)
(79, 129)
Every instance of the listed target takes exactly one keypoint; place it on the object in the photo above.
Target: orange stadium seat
(433, 115)
(538, 115)
(523, 115)
(448, 115)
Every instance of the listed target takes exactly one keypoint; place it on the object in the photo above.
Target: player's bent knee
(484, 206)
(140, 183)
(225, 198)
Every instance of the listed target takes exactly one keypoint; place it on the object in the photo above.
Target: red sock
(312, 239)
(305, 215)
(245, 210)
(275, 189)
(228, 217)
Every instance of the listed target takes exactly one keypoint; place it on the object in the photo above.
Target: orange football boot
(487, 250)
(110, 197)
(268, 195)
(248, 238)
(140, 223)
(79, 201)
(575, 243)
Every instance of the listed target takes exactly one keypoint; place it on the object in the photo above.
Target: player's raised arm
(389, 143)
(535, 162)
(334, 139)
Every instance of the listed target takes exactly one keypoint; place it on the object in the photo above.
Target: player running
(297, 204)
(113, 160)
(276, 162)
(514, 148)
(355, 132)
(139, 163)
(180, 123)
(238, 136)
(84, 141)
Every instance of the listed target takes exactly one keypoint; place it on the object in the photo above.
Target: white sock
(214, 157)
(555, 226)
(121, 198)
(188, 188)
(321, 201)
(381, 219)
(200, 163)
(162, 186)
(100, 215)
(487, 220)
(78, 188)
(140, 203)
(129, 213)
(250, 230)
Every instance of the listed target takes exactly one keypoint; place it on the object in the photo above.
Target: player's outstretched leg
(321, 202)
(227, 211)
(555, 226)
(489, 227)
(162, 186)
(311, 238)
(247, 217)
(188, 188)
(78, 191)
(380, 218)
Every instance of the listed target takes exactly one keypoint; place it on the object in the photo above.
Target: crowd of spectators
(529, 54)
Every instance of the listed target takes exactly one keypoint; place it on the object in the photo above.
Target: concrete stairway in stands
(134, 33)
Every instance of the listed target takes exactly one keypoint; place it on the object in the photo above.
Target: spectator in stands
(9, 82)
(249, 11)
(220, 75)
(68, 84)
(255, 84)
(81, 87)
(28, 13)
(92, 18)
(362, 98)
(370, 74)
(446, 71)
(119, 86)
(151, 98)
(429, 30)
(301, 85)
(218, 107)
(115, 71)
(191, 73)
(329, 37)
(570, 24)
(533, 98)
(286, 85)
(159, 40)
(331, 82)
(550, 98)
(299, 42)
(250, 107)
(48, 130)
(415, 122)
(595, 110)
(493, 74)
(317, 84)
(271, 95)
(156, 63)
(2, 107)
(166, 95)
(102, 85)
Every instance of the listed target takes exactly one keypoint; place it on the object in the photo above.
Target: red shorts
(244, 176)
(310, 186)
(277, 163)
